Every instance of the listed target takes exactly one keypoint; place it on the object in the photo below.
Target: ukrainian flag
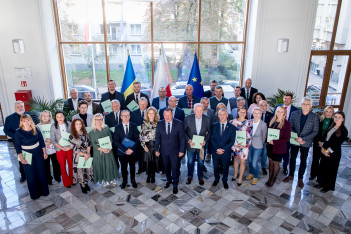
(129, 78)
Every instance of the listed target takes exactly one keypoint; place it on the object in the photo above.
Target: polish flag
(162, 76)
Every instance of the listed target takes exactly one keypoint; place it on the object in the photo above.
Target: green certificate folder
(26, 156)
(273, 134)
(139, 128)
(187, 111)
(105, 143)
(112, 129)
(197, 140)
(84, 164)
(64, 141)
(132, 106)
(45, 130)
(240, 138)
(106, 105)
(293, 137)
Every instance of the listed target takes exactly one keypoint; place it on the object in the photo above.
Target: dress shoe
(215, 183)
(208, 158)
(50, 182)
(287, 179)
(201, 181)
(285, 170)
(87, 187)
(324, 190)
(312, 178)
(124, 184)
(68, 186)
(264, 171)
(233, 179)
(152, 180)
(83, 189)
(225, 185)
(300, 183)
(167, 185)
(318, 186)
(175, 189)
(254, 181)
(188, 181)
(239, 184)
(204, 169)
(249, 177)
(134, 184)
(22, 180)
(148, 179)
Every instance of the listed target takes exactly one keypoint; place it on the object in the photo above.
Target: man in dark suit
(222, 139)
(112, 119)
(136, 95)
(93, 108)
(305, 123)
(266, 117)
(177, 112)
(112, 94)
(129, 130)
(161, 101)
(188, 100)
(248, 91)
(170, 142)
(211, 93)
(12, 123)
(72, 102)
(289, 108)
(211, 114)
(233, 100)
(215, 100)
(200, 125)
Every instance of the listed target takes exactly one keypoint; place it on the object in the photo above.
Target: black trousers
(21, 170)
(303, 160)
(114, 150)
(316, 159)
(125, 161)
(328, 171)
(141, 162)
(55, 168)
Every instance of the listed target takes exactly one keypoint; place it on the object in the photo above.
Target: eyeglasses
(98, 119)
(125, 116)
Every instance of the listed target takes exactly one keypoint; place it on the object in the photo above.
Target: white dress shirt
(198, 123)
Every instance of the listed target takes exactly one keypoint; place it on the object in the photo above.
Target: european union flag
(129, 78)
(195, 79)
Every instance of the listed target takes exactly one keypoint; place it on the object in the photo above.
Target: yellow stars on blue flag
(194, 79)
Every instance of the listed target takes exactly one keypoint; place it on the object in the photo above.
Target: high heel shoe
(83, 189)
(233, 179)
(239, 184)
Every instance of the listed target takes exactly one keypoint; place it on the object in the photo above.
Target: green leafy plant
(277, 99)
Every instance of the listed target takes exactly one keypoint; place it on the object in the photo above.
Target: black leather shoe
(175, 189)
(167, 185)
(324, 190)
(148, 179)
(123, 185)
(22, 180)
(152, 179)
(264, 171)
(225, 185)
(50, 182)
(285, 171)
(239, 184)
(215, 183)
(87, 187)
(188, 181)
(204, 169)
(83, 189)
(318, 186)
(233, 179)
(68, 186)
(201, 181)
(134, 184)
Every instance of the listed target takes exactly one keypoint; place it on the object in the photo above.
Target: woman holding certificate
(147, 139)
(59, 134)
(105, 167)
(331, 143)
(278, 136)
(44, 126)
(30, 147)
(242, 142)
(80, 143)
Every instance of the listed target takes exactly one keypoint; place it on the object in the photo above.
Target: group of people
(160, 135)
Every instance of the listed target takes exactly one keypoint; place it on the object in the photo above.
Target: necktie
(116, 117)
(247, 94)
(127, 130)
(142, 114)
(222, 129)
(137, 98)
(262, 116)
(169, 129)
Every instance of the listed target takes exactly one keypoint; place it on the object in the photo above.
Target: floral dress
(81, 144)
(147, 138)
(242, 126)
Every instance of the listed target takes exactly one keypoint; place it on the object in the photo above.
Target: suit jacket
(89, 119)
(156, 102)
(179, 114)
(226, 141)
(131, 98)
(110, 119)
(292, 109)
(183, 101)
(267, 117)
(232, 103)
(172, 144)
(119, 135)
(69, 103)
(280, 146)
(252, 92)
(55, 134)
(135, 117)
(335, 142)
(309, 131)
(259, 138)
(96, 108)
(190, 129)
(12, 123)
(118, 96)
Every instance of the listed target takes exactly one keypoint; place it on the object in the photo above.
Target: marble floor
(150, 208)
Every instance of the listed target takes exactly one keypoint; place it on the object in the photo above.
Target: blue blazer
(156, 102)
(110, 119)
(183, 101)
(179, 114)
(119, 135)
(118, 96)
(135, 117)
(292, 109)
(12, 123)
(170, 144)
(226, 141)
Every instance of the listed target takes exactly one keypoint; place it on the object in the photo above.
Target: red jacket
(280, 146)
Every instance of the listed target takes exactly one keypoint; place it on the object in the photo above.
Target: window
(329, 24)
(135, 29)
(112, 49)
(136, 50)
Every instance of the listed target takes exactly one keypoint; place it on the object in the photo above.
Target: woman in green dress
(105, 167)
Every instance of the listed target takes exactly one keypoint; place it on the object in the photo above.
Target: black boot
(83, 189)
(270, 173)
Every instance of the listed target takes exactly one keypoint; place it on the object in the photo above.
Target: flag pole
(128, 51)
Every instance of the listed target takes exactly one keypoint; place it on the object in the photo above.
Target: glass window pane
(221, 62)
(336, 81)
(175, 20)
(128, 20)
(85, 67)
(80, 20)
(141, 60)
(223, 20)
(323, 28)
(315, 78)
(343, 33)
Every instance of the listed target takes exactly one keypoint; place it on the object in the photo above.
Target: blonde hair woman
(29, 141)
